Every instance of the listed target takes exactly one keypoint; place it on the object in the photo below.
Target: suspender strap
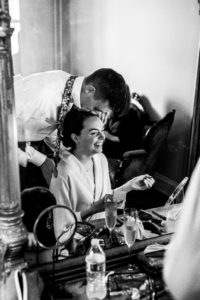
(65, 107)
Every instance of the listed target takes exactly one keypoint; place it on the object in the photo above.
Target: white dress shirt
(37, 98)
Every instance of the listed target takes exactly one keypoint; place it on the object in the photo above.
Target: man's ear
(74, 138)
(90, 89)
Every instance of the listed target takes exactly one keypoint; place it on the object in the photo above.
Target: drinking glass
(130, 231)
(172, 213)
(110, 214)
(180, 197)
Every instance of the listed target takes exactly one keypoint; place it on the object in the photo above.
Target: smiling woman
(83, 178)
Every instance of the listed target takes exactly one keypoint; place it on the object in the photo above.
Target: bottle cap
(94, 242)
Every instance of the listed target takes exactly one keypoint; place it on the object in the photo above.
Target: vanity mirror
(44, 227)
(150, 64)
(167, 78)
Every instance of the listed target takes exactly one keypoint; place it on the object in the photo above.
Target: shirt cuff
(22, 158)
(34, 156)
(78, 216)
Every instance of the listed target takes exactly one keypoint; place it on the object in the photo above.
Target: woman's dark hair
(34, 200)
(73, 123)
(110, 86)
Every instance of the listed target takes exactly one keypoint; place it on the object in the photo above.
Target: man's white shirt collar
(76, 91)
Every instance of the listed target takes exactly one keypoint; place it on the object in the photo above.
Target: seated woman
(83, 177)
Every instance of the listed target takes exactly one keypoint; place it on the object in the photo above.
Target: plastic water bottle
(95, 271)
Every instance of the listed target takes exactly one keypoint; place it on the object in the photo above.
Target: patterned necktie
(65, 107)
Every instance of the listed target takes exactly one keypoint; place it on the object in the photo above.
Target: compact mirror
(48, 230)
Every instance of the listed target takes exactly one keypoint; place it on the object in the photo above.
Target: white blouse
(74, 188)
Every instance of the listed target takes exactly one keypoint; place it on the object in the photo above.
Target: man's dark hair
(111, 86)
(73, 123)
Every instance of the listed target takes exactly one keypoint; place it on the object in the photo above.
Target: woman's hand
(139, 183)
(102, 115)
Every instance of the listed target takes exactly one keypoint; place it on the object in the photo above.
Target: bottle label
(97, 267)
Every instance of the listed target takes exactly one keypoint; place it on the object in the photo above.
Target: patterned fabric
(66, 100)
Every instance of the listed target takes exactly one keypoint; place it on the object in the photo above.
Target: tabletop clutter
(105, 275)
(123, 283)
(150, 223)
(140, 283)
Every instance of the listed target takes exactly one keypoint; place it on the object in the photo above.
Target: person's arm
(111, 137)
(48, 169)
(97, 207)
(39, 159)
(30, 155)
(22, 157)
(35, 157)
(61, 190)
(48, 166)
(139, 183)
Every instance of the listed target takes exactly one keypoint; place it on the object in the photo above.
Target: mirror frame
(39, 218)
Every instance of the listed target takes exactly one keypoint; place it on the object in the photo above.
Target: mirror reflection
(88, 112)
(158, 80)
(75, 237)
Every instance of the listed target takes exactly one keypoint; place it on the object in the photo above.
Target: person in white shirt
(182, 259)
(83, 177)
(38, 99)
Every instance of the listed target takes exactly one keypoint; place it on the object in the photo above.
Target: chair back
(158, 132)
(154, 140)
